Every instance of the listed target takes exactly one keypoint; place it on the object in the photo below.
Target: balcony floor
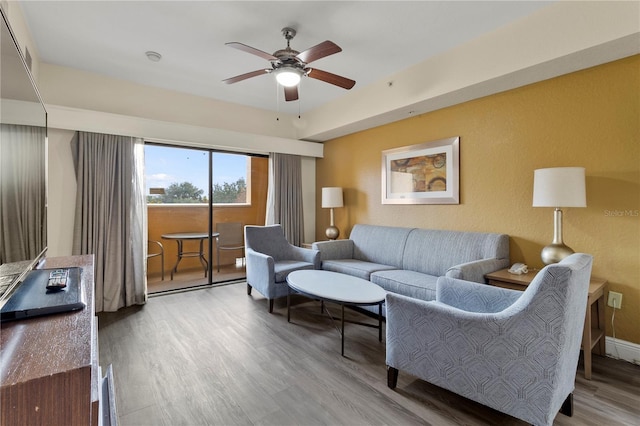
(189, 278)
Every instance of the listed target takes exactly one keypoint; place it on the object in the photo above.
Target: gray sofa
(408, 261)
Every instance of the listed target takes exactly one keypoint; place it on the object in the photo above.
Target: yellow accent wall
(589, 118)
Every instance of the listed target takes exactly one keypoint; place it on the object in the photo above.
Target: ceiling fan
(289, 65)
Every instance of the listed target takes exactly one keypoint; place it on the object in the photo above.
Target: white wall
(21, 32)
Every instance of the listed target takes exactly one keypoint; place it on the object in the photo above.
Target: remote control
(58, 279)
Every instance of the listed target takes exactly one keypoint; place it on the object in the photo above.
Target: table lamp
(331, 198)
(558, 187)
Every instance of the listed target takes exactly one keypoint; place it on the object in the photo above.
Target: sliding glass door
(198, 202)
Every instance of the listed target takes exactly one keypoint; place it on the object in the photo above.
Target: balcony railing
(181, 218)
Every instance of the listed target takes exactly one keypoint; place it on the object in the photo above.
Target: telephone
(519, 269)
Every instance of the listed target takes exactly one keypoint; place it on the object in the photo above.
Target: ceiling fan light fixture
(288, 77)
(289, 65)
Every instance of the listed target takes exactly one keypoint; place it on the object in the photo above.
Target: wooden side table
(594, 325)
(310, 245)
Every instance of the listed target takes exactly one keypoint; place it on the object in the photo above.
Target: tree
(229, 193)
(184, 192)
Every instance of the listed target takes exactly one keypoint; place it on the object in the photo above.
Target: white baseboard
(621, 349)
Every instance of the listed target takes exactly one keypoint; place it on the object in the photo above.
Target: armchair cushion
(283, 268)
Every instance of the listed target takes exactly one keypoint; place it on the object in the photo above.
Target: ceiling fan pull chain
(299, 100)
(277, 102)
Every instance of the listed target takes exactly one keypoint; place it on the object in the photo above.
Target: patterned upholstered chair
(516, 352)
(270, 258)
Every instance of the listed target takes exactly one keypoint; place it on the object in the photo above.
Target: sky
(166, 165)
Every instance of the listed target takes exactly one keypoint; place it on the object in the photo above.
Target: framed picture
(427, 173)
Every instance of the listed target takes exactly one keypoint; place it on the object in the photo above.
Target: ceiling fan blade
(291, 93)
(252, 50)
(241, 77)
(330, 78)
(318, 51)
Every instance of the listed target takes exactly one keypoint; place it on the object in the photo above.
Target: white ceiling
(378, 38)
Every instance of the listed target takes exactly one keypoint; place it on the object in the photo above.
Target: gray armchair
(270, 258)
(516, 352)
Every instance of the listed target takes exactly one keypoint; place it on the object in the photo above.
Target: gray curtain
(284, 196)
(23, 195)
(110, 216)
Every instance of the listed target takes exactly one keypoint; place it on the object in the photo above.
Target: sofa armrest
(476, 270)
(335, 249)
(474, 297)
(306, 255)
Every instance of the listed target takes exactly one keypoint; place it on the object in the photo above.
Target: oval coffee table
(342, 289)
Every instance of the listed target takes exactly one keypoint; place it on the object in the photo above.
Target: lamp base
(332, 232)
(554, 253)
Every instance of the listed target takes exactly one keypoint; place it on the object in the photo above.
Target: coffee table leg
(380, 322)
(289, 305)
(342, 324)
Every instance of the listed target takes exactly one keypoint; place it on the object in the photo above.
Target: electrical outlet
(615, 300)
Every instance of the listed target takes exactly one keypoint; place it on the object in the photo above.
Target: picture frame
(426, 173)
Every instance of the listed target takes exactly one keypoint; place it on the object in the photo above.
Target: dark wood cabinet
(49, 368)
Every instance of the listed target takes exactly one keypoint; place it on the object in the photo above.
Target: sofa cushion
(408, 283)
(433, 252)
(384, 245)
(354, 267)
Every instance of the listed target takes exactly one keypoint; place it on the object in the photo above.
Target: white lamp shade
(332, 197)
(559, 187)
(288, 77)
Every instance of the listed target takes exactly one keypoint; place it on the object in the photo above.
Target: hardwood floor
(216, 356)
